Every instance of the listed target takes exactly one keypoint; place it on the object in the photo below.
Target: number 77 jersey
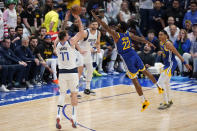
(66, 56)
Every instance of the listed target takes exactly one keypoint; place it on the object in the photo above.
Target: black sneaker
(79, 96)
(89, 92)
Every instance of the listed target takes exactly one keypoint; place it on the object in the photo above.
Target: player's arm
(170, 47)
(80, 35)
(140, 39)
(64, 23)
(106, 27)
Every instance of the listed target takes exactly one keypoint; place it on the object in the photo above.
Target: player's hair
(123, 26)
(93, 20)
(62, 34)
(165, 32)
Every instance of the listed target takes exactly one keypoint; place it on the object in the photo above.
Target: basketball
(76, 10)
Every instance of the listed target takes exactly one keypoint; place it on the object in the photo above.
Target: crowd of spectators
(28, 29)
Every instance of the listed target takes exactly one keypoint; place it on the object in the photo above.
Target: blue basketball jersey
(170, 62)
(124, 44)
(133, 62)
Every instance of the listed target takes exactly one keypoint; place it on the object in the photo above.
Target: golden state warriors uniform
(132, 60)
(170, 62)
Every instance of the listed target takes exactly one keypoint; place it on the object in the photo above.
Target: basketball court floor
(116, 107)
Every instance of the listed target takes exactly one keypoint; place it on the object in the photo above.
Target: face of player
(118, 28)
(94, 26)
(162, 36)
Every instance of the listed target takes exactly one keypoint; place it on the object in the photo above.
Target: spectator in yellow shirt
(52, 19)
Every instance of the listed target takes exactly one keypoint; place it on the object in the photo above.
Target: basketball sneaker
(89, 92)
(161, 90)
(58, 126)
(74, 124)
(96, 73)
(145, 105)
(164, 106)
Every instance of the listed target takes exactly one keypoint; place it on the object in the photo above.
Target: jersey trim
(74, 70)
(87, 36)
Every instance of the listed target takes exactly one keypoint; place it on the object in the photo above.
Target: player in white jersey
(68, 74)
(91, 39)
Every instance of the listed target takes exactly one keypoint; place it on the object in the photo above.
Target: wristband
(184, 62)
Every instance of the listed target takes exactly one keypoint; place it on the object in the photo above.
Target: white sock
(88, 85)
(165, 96)
(142, 98)
(74, 113)
(59, 110)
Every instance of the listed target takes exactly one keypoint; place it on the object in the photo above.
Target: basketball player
(133, 62)
(68, 74)
(91, 39)
(170, 64)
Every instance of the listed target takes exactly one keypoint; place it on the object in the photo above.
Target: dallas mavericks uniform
(87, 45)
(170, 62)
(68, 74)
(132, 60)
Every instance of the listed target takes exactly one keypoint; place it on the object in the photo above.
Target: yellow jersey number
(126, 43)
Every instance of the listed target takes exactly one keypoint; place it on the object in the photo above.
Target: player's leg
(152, 78)
(162, 82)
(138, 88)
(61, 100)
(89, 68)
(73, 83)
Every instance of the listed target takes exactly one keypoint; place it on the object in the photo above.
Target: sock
(74, 113)
(165, 96)
(59, 109)
(142, 98)
(88, 85)
(157, 85)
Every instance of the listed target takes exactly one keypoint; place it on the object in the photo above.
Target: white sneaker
(3, 88)
(29, 85)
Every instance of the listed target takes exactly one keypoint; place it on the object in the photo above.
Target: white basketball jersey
(66, 56)
(89, 42)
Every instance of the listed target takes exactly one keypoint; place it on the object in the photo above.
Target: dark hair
(176, 0)
(151, 31)
(123, 26)
(193, 2)
(19, 26)
(10, 29)
(33, 37)
(93, 20)
(62, 34)
(165, 32)
(42, 28)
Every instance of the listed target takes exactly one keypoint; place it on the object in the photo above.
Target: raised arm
(80, 35)
(64, 23)
(106, 27)
(170, 46)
